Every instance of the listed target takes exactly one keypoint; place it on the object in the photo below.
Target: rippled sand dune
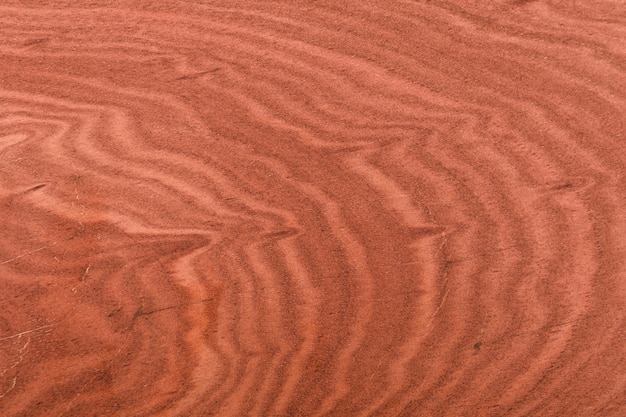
(327, 208)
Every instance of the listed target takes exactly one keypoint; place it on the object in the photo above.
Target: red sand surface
(312, 208)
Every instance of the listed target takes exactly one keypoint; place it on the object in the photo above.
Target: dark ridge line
(35, 188)
(140, 312)
(197, 74)
(37, 41)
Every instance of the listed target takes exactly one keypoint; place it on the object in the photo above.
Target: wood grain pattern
(328, 208)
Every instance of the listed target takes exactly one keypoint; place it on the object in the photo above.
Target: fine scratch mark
(444, 285)
(550, 327)
(481, 255)
(27, 332)
(26, 254)
(82, 278)
(20, 355)
(85, 274)
(10, 388)
(443, 300)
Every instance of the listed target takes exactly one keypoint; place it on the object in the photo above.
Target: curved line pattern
(313, 208)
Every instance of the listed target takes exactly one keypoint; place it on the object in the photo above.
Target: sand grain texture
(260, 208)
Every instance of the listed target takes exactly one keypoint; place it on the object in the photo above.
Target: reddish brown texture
(330, 208)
